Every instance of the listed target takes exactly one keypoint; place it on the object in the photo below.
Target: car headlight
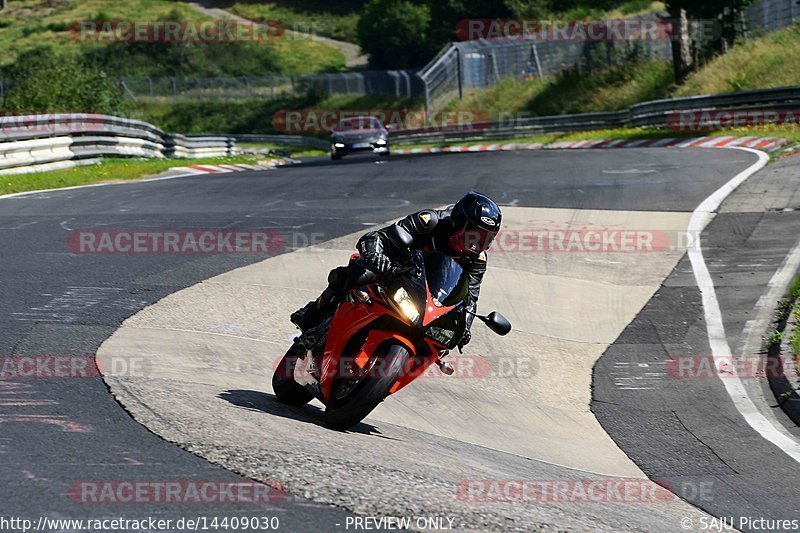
(445, 336)
(403, 301)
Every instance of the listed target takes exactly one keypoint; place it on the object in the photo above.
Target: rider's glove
(465, 338)
(378, 263)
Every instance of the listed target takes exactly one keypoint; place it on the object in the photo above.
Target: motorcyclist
(463, 231)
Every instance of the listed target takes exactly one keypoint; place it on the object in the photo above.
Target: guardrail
(35, 143)
(285, 140)
(653, 114)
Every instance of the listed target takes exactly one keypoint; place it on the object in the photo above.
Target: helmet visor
(472, 240)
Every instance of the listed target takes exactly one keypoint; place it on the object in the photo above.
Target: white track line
(720, 350)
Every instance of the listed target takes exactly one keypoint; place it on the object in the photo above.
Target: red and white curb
(221, 169)
(766, 144)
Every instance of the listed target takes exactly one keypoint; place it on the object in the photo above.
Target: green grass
(794, 293)
(28, 21)
(30, 24)
(331, 18)
(769, 61)
(573, 92)
(109, 170)
(764, 62)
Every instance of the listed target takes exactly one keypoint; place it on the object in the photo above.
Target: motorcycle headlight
(445, 336)
(380, 142)
(403, 301)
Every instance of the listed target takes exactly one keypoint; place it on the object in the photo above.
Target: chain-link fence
(482, 63)
(391, 83)
(769, 15)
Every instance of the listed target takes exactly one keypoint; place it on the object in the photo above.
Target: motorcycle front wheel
(351, 401)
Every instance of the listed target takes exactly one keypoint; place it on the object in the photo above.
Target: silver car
(359, 134)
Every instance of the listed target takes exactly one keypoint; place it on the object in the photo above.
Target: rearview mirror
(497, 323)
(399, 236)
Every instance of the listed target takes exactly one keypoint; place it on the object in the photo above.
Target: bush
(46, 80)
(58, 26)
(394, 33)
(247, 116)
(27, 31)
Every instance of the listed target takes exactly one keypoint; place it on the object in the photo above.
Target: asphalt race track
(61, 432)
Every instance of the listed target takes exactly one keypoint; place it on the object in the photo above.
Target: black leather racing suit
(429, 235)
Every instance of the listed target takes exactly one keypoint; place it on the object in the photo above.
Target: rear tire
(342, 414)
(286, 389)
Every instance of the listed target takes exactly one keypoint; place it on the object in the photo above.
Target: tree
(681, 54)
(446, 14)
(726, 12)
(395, 33)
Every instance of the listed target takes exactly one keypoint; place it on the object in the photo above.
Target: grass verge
(29, 24)
(769, 61)
(108, 171)
(794, 342)
(337, 19)
(572, 91)
(787, 322)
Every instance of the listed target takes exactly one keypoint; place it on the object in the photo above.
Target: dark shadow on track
(268, 403)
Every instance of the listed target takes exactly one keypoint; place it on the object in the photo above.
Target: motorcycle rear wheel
(286, 389)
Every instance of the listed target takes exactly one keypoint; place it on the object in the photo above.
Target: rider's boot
(315, 311)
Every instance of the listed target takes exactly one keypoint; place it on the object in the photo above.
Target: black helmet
(475, 222)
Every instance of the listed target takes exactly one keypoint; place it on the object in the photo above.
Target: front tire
(335, 157)
(286, 389)
(343, 413)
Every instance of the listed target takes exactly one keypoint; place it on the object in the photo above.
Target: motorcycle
(381, 338)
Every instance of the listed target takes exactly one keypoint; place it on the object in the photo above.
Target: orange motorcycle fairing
(349, 319)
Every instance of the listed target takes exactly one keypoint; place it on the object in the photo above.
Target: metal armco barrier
(286, 140)
(646, 114)
(35, 143)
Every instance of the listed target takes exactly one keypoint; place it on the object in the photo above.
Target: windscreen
(447, 281)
